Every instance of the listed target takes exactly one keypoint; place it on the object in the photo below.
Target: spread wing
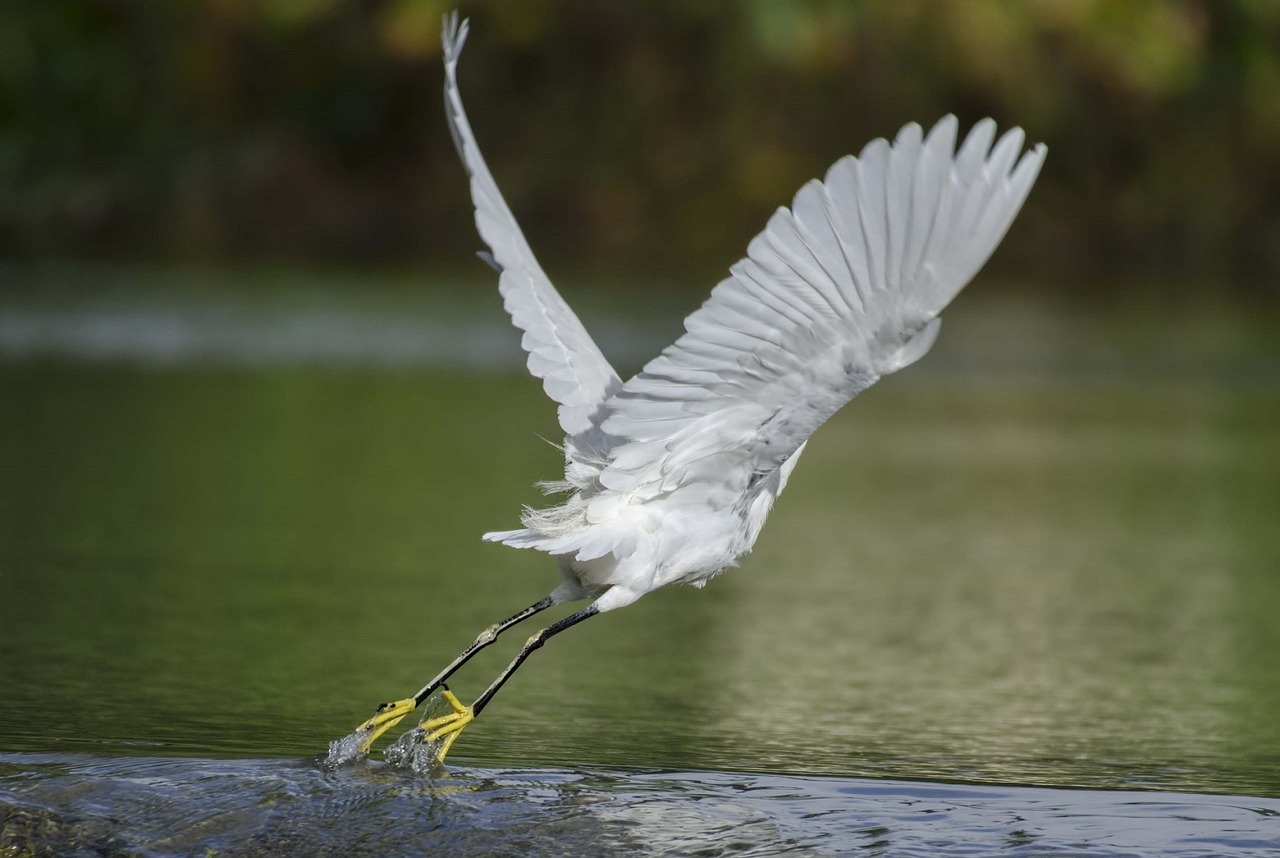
(573, 371)
(843, 288)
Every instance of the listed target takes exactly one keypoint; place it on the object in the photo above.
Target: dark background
(632, 139)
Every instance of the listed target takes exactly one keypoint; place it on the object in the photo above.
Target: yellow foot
(448, 726)
(387, 716)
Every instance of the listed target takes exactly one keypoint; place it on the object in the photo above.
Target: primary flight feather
(670, 476)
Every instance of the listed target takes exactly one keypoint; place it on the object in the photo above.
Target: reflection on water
(89, 805)
(1052, 571)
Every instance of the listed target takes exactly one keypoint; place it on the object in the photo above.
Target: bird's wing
(573, 371)
(837, 291)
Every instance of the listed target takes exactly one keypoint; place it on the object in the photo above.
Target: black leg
(533, 643)
(485, 638)
(447, 727)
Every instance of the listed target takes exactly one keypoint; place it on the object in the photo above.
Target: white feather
(574, 372)
(673, 473)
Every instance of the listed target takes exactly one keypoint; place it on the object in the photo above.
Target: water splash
(411, 752)
(347, 750)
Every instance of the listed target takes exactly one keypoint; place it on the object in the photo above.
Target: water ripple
(70, 805)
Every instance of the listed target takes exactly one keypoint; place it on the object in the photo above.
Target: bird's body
(670, 476)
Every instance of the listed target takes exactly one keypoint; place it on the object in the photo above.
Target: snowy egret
(670, 475)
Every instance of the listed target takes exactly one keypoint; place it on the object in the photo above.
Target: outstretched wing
(573, 371)
(837, 291)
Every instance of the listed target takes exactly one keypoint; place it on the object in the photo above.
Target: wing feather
(561, 352)
(838, 290)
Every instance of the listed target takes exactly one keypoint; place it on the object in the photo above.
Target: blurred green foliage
(630, 137)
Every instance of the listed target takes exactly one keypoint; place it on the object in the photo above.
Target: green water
(1063, 574)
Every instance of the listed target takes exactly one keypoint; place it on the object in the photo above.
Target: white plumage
(671, 475)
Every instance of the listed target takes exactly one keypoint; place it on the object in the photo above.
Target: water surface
(126, 805)
(1044, 557)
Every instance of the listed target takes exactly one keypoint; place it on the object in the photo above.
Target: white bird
(670, 476)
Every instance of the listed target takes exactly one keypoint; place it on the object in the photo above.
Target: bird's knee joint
(487, 636)
(535, 640)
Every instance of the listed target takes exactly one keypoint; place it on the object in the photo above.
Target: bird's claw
(384, 718)
(446, 727)
(443, 729)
